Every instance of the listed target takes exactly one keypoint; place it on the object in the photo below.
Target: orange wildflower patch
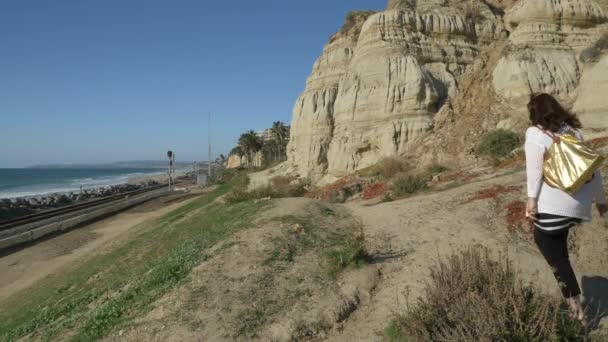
(325, 193)
(494, 193)
(598, 142)
(460, 176)
(374, 190)
(517, 160)
(516, 216)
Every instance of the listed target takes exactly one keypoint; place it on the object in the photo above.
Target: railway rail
(33, 227)
(43, 215)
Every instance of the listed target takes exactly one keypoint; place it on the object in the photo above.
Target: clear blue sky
(110, 80)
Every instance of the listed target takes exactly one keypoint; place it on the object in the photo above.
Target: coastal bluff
(425, 79)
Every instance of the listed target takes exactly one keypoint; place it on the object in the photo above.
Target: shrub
(592, 53)
(471, 297)
(386, 168)
(406, 184)
(238, 195)
(355, 18)
(279, 187)
(436, 169)
(281, 181)
(498, 144)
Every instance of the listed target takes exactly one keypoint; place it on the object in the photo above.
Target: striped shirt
(555, 223)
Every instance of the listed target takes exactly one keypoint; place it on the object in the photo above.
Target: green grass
(350, 252)
(498, 144)
(313, 236)
(341, 250)
(393, 332)
(108, 291)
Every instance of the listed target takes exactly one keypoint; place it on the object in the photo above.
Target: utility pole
(171, 157)
(209, 138)
(194, 171)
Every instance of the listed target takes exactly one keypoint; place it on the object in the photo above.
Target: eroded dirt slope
(273, 282)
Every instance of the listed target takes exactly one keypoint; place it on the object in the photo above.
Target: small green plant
(436, 169)
(407, 184)
(498, 144)
(352, 253)
(394, 332)
(472, 297)
(387, 198)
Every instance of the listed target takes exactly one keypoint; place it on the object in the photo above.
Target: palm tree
(250, 144)
(279, 134)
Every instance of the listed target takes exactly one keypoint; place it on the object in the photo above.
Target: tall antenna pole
(209, 137)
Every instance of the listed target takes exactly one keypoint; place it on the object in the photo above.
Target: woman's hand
(602, 209)
(532, 208)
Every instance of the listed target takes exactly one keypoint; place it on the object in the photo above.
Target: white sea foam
(73, 186)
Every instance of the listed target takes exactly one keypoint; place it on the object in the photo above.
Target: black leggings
(554, 247)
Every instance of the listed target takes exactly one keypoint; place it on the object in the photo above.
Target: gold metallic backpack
(569, 163)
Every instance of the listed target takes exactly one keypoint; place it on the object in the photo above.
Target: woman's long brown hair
(547, 112)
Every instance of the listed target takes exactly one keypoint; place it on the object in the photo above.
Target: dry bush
(281, 181)
(592, 53)
(355, 18)
(471, 297)
(387, 168)
(279, 187)
(407, 184)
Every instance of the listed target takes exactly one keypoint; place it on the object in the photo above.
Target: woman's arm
(535, 156)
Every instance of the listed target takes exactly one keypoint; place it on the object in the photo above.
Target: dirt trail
(408, 236)
(23, 268)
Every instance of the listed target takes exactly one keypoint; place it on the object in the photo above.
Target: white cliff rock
(379, 84)
(426, 79)
(591, 104)
(546, 40)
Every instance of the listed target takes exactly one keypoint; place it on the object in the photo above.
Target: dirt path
(408, 236)
(23, 268)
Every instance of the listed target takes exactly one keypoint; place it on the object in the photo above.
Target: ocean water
(33, 182)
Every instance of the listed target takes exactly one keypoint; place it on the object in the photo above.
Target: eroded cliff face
(544, 47)
(398, 81)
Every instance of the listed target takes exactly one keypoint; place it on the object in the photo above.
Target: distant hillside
(142, 164)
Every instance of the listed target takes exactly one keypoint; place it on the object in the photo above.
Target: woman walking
(554, 211)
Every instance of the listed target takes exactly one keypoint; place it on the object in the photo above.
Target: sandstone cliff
(426, 78)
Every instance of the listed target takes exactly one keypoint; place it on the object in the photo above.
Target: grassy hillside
(110, 290)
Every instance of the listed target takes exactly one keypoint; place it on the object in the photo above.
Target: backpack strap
(556, 138)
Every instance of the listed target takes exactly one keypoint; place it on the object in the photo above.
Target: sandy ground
(405, 238)
(414, 233)
(24, 267)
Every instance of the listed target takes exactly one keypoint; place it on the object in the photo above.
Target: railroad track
(46, 214)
